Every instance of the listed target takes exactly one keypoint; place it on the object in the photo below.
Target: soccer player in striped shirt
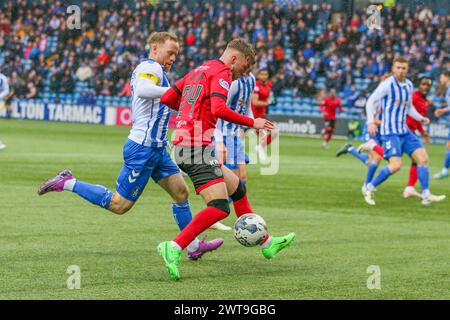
(395, 95)
(144, 152)
(445, 81)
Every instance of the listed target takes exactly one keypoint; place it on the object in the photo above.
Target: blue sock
(182, 214)
(94, 193)
(423, 173)
(371, 169)
(361, 156)
(447, 160)
(382, 176)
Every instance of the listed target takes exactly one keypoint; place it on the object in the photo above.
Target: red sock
(378, 149)
(412, 176)
(242, 206)
(330, 135)
(202, 221)
(269, 139)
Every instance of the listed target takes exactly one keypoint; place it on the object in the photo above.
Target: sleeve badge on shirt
(224, 84)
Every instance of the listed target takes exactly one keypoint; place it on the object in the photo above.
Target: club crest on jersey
(224, 84)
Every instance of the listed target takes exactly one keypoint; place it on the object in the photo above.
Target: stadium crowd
(296, 42)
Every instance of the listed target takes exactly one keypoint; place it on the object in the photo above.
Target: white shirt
(4, 87)
(396, 102)
(150, 118)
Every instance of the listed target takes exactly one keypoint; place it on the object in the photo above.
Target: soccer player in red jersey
(260, 102)
(328, 108)
(200, 97)
(419, 100)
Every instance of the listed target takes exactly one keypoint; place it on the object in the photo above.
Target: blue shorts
(141, 163)
(396, 145)
(367, 136)
(235, 152)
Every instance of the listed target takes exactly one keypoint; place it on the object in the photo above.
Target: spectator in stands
(34, 35)
(67, 84)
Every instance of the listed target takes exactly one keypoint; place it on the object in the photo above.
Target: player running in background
(260, 103)
(373, 160)
(328, 108)
(4, 93)
(201, 97)
(420, 102)
(376, 154)
(395, 94)
(444, 80)
(144, 152)
(229, 143)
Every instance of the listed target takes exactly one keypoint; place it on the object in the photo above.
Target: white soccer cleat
(366, 147)
(325, 145)
(411, 192)
(2, 145)
(369, 196)
(434, 198)
(426, 201)
(364, 189)
(220, 226)
(261, 153)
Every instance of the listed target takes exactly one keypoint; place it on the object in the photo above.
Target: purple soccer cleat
(56, 184)
(204, 247)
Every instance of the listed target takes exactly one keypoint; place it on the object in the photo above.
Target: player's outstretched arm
(146, 86)
(439, 112)
(171, 99)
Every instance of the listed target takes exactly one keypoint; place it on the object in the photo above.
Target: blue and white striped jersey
(4, 87)
(240, 100)
(396, 103)
(150, 118)
(447, 96)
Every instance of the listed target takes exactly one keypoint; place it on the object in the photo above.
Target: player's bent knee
(182, 195)
(239, 193)
(221, 204)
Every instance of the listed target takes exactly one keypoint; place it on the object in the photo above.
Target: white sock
(175, 245)
(193, 246)
(426, 193)
(444, 170)
(69, 184)
(370, 187)
(267, 243)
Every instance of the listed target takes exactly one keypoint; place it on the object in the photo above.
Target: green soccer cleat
(278, 244)
(171, 258)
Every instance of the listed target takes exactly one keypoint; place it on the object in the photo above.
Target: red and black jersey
(329, 106)
(200, 97)
(263, 91)
(421, 104)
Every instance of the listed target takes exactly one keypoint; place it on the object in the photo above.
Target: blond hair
(162, 37)
(400, 59)
(243, 47)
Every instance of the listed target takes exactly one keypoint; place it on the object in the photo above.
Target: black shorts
(330, 123)
(200, 165)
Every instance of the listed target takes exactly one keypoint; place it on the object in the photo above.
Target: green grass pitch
(314, 194)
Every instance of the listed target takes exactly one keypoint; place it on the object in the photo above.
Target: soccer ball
(250, 229)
